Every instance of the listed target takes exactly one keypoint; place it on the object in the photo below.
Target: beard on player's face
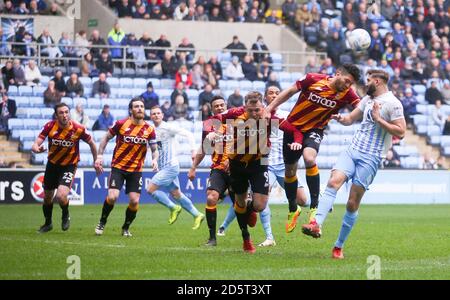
(371, 88)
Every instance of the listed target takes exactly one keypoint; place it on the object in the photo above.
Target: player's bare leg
(61, 197)
(130, 213)
(349, 220)
(108, 205)
(47, 208)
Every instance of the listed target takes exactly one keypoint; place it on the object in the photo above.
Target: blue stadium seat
(284, 77)
(47, 113)
(446, 151)
(39, 90)
(22, 101)
(125, 93)
(192, 94)
(36, 101)
(39, 159)
(137, 92)
(155, 82)
(94, 103)
(284, 85)
(259, 86)
(164, 94)
(296, 76)
(25, 146)
(45, 80)
(232, 84)
(433, 130)
(422, 129)
(420, 120)
(117, 72)
(113, 82)
(128, 72)
(277, 67)
(34, 112)
(31, 124)
(223, 84)
(419, 89)
(15, 124)
(141, 83)
(79, 100)
(142, 72)
(86, 81)
(223, 56)
(126, 82)
(410, 162)
(98, 135)
(84, 148)
(167, 83)
(25, 90)
(42, 122)
(445, 141)
(92, 113)
(27, 135)
(110, 148)
(13, 90)
(245, 85)
(422, 108)
(276, 57)
(434, 140)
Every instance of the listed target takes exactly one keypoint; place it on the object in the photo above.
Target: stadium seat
(276, 57)
(446, 151)
(422, 108)
(15, 124)
(31, 124)
(259, 86)
(433, 130)
(13, 90)
(25, 90)
(445, 141)
(42, 122)
(164, 94)
(125, 92)
(39, 91)
(110, 148)
(128, 72)
(84, 148)
(284, 77)
(419, 89)
(47, 113)
(79, 100)
(98, 135)
(140, 83)
(410, 162)
(296, 76)
(117, 72)
(223, 84)
(126, 82)
(245, 85)
(92, 113)
(36, 101)
(434, 140)
(232, 84)
(34, 112)
(39, 159)
(141, 72)
(137, 92)
(25, 146)
(94, 103)
(167, 83)
(22, 101)
(422, 129)
(155, 82)
(420, 120)
(284, 85)
(44, 80)
(27, 135)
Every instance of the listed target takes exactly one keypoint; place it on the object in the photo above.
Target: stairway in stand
(9, 153)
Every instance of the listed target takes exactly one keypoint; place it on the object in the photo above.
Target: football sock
(186, 203)
(162, 198)
(242, 216)
(130, 215)
(211, 218)
(290, 188)
(231, 214)
(347, 225)
(106, 210)
(47, 209)
(325, 204)
(313, 181)
(65, 210)
(265, 220)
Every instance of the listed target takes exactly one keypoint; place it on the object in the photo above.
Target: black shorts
(58, 175)
(311, 139)
(219, 181)
(254, 173)
(133, 180)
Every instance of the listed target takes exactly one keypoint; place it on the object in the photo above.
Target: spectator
(216, 66)
(22, 9)
(235, 99)
(74, 86)
(169, 65)
(167, 9)
(237, 45)
(253, 16)
(259, 45)
(249, 69)
(311, 66)
(288, 8)
(234, 69)
(391, 161)
(264, 70)
(183, 75)
(438, 115)
(200, 14)
(273, 18)
(197, 77)
(441, 163)
(124, 9)
(88, 67)
(206, 96)
(116, 37)
(215, 16)
(327, 67)
(96, 40)
(141, 13)
(162, 42)
(210, 76)
(60, 84)
(206, 111)
(273, 81)
(151, 98)
(409, 103)
(336, 46)
(8, 74)
(179, 90)
(180, 110)
(428, 163)
(180, 12)
(51, 95)
(8, 109)
(432, 94)
(19, 73)
(446, 130)
(8, 8)
(79, 116)
(32, 74)
(105, 119)
(101, 88)
(190, 49)
(82, 43)
(67, 49)
(303, 18)
(4, 49)
(446, 92)
(104, 64)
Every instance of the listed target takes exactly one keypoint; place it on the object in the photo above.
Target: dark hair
(253, 97)
(383, 75)
(216, 97)
(59, 105)
(352, 70)
(267, 89)
(135, 99)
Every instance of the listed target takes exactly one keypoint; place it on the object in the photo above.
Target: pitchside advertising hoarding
(389, 187)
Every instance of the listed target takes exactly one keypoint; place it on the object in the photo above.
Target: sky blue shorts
(167, 178)
(358, 166)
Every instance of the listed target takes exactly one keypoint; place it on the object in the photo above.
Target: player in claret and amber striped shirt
(321, 97)
(64, 136)
(133, 136)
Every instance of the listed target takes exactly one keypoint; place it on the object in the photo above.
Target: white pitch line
(62, 242)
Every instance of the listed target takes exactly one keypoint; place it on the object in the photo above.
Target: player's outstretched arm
(349, 119)
(155, 156)
(280, 99)
(37, 146)
(197, 160)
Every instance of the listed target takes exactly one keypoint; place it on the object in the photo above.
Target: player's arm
(197, 160)
(101, 149)
(155, 156)
(98, 168)
(350, 118)
(298, 135)
(284, 96)
(395, 127)
(37, 146)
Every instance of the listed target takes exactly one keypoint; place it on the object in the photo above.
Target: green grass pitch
(412, 242)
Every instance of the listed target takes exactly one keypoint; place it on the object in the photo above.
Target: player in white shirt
(169, 168)
(382, 117)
